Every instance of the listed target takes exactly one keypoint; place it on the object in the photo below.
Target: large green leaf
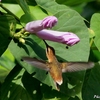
(91, 86)
(15, 9)
(7, 29)
(95, 26)
(6, 64)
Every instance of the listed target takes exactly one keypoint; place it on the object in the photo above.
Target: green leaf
(91, 84)
(7, 29)
(24, 5)
(12, 88)
(72, 84)
(95, 26)
(14, 8)
(40, 15)
(51, 6)
(6, 64)
(27, 16)
(3, 73)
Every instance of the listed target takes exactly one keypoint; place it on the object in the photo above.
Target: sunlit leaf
(3, 73)
(6, 64)
(27, 16)
(95, 26)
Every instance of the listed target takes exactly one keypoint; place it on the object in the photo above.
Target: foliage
(21, 81)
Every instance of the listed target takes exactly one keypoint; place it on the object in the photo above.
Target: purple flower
(56, 36)
(38, 25)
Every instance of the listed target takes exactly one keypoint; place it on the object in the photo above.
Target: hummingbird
(56, 68)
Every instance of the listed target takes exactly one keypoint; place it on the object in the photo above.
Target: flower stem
(92, 46)
(91, 42)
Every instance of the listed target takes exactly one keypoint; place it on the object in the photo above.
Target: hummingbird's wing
(36, 63)
(76, 66)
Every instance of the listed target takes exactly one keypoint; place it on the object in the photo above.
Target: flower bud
(56, 36)
(22, 40)
(38, 25)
